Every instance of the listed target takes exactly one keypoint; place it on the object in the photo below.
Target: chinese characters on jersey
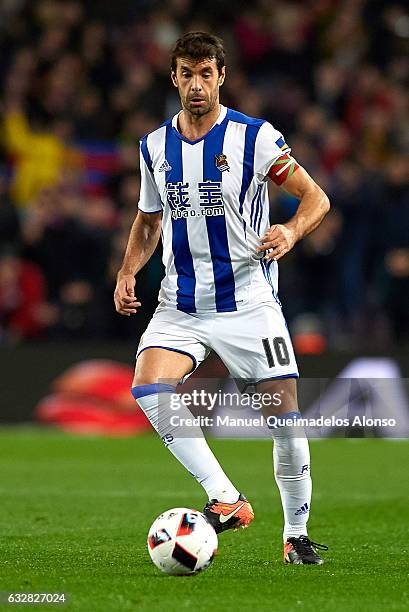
(210, 199)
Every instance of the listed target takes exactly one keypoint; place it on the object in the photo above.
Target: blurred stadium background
(82, 81)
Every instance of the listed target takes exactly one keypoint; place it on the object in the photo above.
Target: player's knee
(145, 389)
(143, 385)
(143, 378)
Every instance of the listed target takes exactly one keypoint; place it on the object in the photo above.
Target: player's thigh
(161, 365)
(255, 344)
(171, 348)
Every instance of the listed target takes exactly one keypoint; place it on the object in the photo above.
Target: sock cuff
(154, 388)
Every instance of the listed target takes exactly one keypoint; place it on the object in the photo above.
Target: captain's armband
(282, 168)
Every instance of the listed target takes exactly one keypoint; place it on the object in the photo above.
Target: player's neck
(193, 127)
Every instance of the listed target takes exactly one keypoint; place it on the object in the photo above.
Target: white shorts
(253, 343)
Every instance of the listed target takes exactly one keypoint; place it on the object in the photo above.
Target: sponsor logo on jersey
(210, 200)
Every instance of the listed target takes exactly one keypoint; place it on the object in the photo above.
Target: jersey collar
(220, 119)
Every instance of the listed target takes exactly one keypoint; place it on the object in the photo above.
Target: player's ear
(173, 77)
(222, 76)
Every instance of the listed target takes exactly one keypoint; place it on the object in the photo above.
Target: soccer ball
(182, 541)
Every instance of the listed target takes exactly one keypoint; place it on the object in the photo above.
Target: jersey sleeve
(149, 198)
(272, 153)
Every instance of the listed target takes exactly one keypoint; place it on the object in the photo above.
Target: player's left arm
(314, 205)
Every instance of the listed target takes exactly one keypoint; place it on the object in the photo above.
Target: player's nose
(196, 84)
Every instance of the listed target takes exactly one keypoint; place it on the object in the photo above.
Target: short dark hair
(199, 46)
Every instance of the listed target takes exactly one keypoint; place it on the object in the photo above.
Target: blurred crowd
(82, 81)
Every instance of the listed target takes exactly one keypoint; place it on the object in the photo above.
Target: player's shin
(185, 441)
(291, 459)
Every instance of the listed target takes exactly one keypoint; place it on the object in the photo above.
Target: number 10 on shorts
(276, 351)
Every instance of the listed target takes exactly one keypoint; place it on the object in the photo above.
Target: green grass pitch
(75, 511)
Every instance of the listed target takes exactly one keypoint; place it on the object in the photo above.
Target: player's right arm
(143, 238)
(142, 242)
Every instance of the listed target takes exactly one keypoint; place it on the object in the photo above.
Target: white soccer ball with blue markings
(181, 541)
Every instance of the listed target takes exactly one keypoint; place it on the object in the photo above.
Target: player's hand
(279, 239)
(124, 296)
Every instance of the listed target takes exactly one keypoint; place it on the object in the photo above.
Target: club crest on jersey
(221, 162)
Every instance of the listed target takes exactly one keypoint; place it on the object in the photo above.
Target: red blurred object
(88, 416)
(94, 397)
(255, 42)
(100, 379)
(309, 344)
(22, 293)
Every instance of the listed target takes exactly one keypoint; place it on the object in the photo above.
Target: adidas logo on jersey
(303, 510)
(165, 167)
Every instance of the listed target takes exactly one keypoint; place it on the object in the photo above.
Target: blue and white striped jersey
(214, 199)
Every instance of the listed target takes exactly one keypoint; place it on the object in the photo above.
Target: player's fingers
(266, 241)
(126, 308)
(127, 311)
(280, 255)
(127, 299)
(277, 243)
(121, 305)
(276, 254)
(263, 247)
(270, 245)
(276, 238)
(130, 306)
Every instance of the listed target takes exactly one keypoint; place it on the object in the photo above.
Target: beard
(200, 105)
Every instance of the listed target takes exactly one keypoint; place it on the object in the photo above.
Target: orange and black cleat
(302, 551)
(223, 516)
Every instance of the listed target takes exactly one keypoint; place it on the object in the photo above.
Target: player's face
(198, 84)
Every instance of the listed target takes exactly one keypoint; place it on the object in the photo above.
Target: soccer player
(204, 177)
